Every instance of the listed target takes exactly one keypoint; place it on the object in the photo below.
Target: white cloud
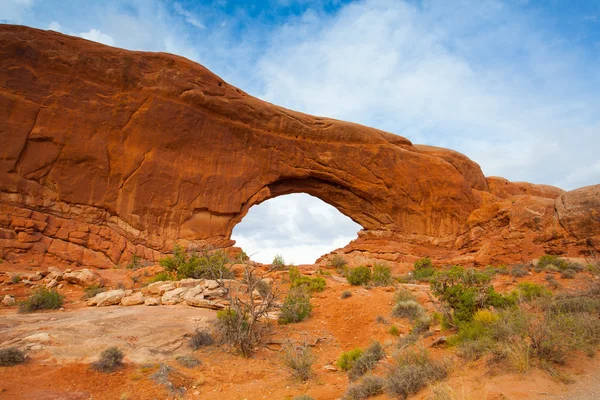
(54, 26)
(13, 11)
(97, 36)
(189, 17)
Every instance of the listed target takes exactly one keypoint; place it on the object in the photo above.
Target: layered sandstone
(106, 153)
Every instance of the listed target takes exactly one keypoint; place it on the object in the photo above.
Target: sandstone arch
(109, 153)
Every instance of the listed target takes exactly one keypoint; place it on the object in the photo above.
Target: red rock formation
(107, 153)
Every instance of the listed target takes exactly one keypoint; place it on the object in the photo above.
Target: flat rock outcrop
(108, 153)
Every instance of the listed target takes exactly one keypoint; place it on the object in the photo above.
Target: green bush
(316, 284)
(110, 360)
(15, 279)
(463, 292)
(394, 331)
(369, 386)
(549, 260)
(412, 371)
(42, 299)
(296, 306)
(367, 361)
(338, 262)
(209, 264)
(347, 359)
(299, 360)
(161, 277)
(423, 269)
(278, 262)
(382, 275)
(359, 276)
(530, 291)
(11, 356)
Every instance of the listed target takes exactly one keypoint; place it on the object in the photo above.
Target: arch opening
(299, 227)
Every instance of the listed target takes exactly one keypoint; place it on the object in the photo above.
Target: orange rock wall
(106, 153)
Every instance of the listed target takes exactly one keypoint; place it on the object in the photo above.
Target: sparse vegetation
(394, 331)
(423, 269)
(382, 275)
(345, 294)
(369, 386)
(519, 271)
(347, 359)
(42, 299)
(297, 280)
(208, 264)
(568, 274)
(367, 361)
(188, 361)
(303, 397)
(296, 306)
(550, 260)
(407, 309)
(201, 339)
(15, 279)
(299, 359)
(278, 262)
(338, 262)
(11, 356)
(135, 263)
(530, 291)
(359, 276)
(110, 360)
(413, 370)
(92, 291)
(161, 277)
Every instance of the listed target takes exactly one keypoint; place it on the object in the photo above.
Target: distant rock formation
(106, 153)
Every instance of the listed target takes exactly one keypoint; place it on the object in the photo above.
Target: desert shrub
(161, 277)
(574, 304)
(208, 264)
(463, 292)
(296, 306)
(403, 295)
(421, 324)
(338, 262)
(530, 291)
(15, 279)
(394, 331)
(519, 271)
(359, 276)
(201, 339)
(92, 291)
(552, 282)
(382, 275)
(110, 360)
(369, 386)
(135, 263)
(549, 260)
(42, 299)
(423, 269)
(188, 361)
(299, 360)
(367, 361)
(413, 370)
(297, 280)
(407, 309)
(11, 356)
(278, 262)
(345, 294)
(347, 359)
(568, 274)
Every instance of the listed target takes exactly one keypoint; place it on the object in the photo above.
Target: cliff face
(106, 153)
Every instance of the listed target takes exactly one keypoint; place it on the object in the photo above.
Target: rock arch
(109, 153)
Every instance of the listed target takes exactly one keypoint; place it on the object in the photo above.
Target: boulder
(205, 303)
(9, 301)
(159, 288)
(189, 282)
(108, 298)
(211, 284)
(52, 283)
(174, 296)
(134, 299)
(152, 301)
(83, 277)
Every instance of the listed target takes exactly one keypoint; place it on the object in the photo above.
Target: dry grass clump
(201, 339)
(367, 361)
(407, 309)
(110, 360)
(42, 299)
(345, 294)
(11, 356)
(299, 359)
(188, 361)
(412, 371)
(369, 386)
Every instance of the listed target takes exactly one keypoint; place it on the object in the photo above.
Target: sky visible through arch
(513, 84)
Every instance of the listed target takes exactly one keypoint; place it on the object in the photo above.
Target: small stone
(9, 301)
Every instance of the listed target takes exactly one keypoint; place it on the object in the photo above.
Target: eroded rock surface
(108, 153)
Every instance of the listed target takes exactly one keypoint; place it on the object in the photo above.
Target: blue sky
(513, 84)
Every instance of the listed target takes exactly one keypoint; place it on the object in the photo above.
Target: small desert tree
(244, 324)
